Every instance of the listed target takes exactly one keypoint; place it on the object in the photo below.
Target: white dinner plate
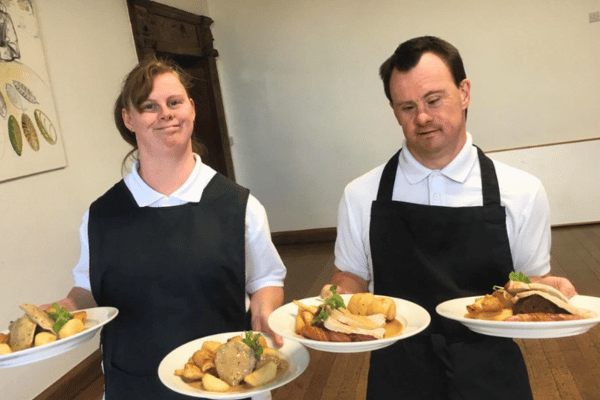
(457, 308)
(97, 317)
(413, 317)
(296, 355)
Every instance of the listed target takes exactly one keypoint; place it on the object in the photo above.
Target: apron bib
(175, 274)
(430, 254)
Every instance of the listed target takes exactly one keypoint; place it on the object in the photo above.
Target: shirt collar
(190, 191)
(458, 169)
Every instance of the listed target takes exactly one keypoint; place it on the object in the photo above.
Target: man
(439, 221)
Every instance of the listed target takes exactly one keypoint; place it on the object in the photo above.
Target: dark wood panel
(186, 39)
(82, 382)
(319, 235)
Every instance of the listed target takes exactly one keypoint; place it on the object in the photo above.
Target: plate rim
(295, 346)
(522, 329)
(344, 347)
(58, 347)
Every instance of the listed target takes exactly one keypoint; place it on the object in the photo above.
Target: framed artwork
(30, 138)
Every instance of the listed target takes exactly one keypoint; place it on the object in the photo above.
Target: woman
(178, 248)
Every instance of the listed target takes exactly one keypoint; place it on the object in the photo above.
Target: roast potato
(44, 338)
(214, 384)
(262, 375)
(72, 327)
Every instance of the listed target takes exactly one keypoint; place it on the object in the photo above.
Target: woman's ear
(193, 108)
(126, 119)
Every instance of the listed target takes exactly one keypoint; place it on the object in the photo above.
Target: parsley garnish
(60, 315)
(252, 342)
(520, 277)
(334, 302)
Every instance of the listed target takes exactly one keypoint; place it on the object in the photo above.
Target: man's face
(431, 110)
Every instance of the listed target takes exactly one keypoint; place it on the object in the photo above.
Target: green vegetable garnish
(520, 277)
(334, 302)
(60, 315)
(252, 342)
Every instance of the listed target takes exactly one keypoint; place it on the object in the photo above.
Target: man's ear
(465, 93)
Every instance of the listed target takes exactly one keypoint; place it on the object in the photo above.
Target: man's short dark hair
(408, 54)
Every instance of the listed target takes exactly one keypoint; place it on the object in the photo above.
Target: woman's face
(166, 120)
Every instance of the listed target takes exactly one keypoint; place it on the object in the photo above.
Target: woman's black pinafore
(430, 254)
(175, 273)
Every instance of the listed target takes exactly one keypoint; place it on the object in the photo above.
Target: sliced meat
(358, 321)
(335, 325)
(233, 361)
(536, 304)
(22, 332)
(38, 316)
(337, 336)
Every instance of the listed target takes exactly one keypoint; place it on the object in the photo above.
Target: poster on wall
(30, 139)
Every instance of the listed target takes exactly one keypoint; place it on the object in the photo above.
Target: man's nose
(423, 116)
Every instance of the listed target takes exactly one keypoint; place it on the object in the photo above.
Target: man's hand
(325, 292)
(346, 283)
(562, 284)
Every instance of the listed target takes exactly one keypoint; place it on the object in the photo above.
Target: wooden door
(186, 39)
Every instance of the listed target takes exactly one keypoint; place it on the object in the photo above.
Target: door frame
(140, 12)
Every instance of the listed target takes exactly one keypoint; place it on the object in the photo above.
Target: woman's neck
(166, 173)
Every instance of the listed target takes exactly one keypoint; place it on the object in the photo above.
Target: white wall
(570, 176)
(306, 108)
(89, 49)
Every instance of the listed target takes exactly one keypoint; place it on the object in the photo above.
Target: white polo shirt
(456, 185)
(263, 264)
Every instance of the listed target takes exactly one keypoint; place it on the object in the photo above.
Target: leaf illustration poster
(30, 139)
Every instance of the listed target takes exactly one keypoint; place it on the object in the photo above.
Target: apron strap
(388, 177)
(489, 180)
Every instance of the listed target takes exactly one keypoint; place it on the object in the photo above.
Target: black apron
(429, 254)
(175, 274)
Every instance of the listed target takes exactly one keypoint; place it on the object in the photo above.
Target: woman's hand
(77, 299)
(262, 303)
(562, 284)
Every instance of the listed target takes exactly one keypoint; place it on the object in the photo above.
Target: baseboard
(575, 224)
(76, 380)
(305, 236)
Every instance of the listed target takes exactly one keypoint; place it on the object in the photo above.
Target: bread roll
(368, 304)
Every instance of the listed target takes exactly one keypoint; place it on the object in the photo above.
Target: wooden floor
(559, 369)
